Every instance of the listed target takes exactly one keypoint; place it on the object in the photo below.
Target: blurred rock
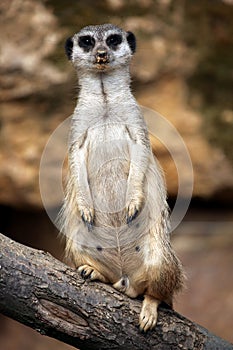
(213, 172)
(29, 33)
(176, 72)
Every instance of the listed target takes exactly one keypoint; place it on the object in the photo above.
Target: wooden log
(45, 294)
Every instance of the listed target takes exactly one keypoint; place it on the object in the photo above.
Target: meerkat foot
(87, 215)
(89, 272)
(149, 313)
(124, 286)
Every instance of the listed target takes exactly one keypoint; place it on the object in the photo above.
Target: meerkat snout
(101, 55)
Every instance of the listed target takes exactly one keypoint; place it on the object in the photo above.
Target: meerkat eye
(87, 42)
(114, 40)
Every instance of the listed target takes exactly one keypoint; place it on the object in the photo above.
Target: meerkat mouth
(102, 60)
(101, 64)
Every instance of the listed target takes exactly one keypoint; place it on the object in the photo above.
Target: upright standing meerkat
(115, 214)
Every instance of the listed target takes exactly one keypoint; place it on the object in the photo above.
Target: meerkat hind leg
(148, 315)
(89, 272)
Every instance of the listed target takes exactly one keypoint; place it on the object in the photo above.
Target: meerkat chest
(108, 164)
(108, 132)
(109, 144)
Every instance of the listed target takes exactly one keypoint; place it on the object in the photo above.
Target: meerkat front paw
(89, 272)
(149, 314)
(132, 210)
(87, 215)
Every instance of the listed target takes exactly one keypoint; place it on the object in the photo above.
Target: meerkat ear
(69, 47)
(131, 41)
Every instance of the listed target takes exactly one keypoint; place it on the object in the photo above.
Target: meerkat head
(100, 48)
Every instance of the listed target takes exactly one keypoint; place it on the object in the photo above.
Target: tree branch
(43, 293)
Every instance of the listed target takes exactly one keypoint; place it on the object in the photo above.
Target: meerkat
(115, 214)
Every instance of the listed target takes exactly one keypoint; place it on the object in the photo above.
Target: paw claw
(130, 218)
(90, 273)
(87, 216)
(147, 323)
(132, 210)
(148, 315)
(85, 271)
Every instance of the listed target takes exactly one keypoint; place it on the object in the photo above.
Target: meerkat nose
(101, 55)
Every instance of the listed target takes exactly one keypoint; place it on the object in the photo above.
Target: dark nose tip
(101, 54)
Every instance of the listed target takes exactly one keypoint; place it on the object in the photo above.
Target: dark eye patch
(86, 42)
(114, 40)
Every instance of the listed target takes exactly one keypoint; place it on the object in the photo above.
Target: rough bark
(43, 293)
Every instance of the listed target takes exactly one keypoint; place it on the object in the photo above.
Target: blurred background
(183, 70)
